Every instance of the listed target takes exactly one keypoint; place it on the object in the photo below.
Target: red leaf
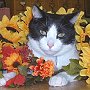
(10, 82)
(19, 80)
(7, 50)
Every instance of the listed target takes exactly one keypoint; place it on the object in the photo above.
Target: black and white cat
(53, 37)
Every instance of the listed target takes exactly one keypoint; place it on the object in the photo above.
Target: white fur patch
(36, 13)
(61, 79)
(52, 32)
(51, 39)
(73, 20)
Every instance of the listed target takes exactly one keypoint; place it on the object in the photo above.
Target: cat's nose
(50, 44)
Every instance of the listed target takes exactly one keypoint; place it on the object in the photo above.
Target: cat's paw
(57, 81)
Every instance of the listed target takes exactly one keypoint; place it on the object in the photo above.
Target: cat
(53, 37)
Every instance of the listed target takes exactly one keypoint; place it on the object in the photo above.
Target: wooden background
(48, 5)
(53, 5)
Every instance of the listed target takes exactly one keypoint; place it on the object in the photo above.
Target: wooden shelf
(78, 85)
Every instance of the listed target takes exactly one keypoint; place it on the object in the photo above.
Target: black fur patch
(62, 22)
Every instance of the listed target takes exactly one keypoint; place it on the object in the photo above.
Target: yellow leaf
(28, 15)
(23, 27)
(88, 80)
(86, 50)
(61, 11)
(81, 15)
(14, 19)
(15, 37)
(85, 61)
(24, 18)
(5, 33)
(29, 8)
(87, 29)
(83, 72)
(77, 38)
(16, 44)
(78, 29)
(83, 21)
(81, 45)
(28, 12)
(1, 25)
(1, 46)
(41, 7)
(81, 63)
(79, 19)
(5, 20)
(49, 12)
(78, 45)
(70, 10)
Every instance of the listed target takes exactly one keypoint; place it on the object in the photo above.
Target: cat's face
(49, 33)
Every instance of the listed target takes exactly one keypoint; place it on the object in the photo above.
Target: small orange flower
(47, 69)
(43, 68)
(31, 67)
(13, 61)
(12, 58)
(40, 60)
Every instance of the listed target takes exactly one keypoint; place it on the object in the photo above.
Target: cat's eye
(61, 35)
(43, 32)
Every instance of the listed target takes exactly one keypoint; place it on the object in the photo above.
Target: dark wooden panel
(9, 4)
(87, 8)
(48, 5)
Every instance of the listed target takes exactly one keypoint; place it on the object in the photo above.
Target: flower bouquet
(18, 65)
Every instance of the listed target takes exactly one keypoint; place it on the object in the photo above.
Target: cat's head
(50, 32)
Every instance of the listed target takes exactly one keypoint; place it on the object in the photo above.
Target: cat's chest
(58, 60)
(62, 57)
(46, 57)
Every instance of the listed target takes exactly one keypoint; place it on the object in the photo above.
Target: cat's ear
(36, 12)
(74, 17)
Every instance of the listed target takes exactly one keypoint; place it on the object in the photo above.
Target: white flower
(10, 75)
(7, 76)
(2, 82)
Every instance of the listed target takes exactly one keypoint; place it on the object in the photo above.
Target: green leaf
(29, 76)
(12, 86)
(66, 68)
(73, 68)
(1, 65)
(1, 75)
(81, 78)
(38, 79)
(34, 61)
(78, 77)
(23, 70)
(29, 80)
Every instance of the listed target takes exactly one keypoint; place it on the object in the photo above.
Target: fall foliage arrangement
(18, 65)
